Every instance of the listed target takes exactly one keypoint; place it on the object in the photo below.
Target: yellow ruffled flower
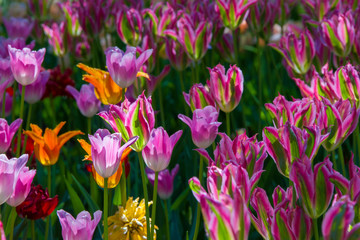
(114, 180)
(106, 90)
(47, 147)
(129, 222)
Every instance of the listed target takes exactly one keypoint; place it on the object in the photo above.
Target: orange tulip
(114, 180)
(106, 90)
(47, 147)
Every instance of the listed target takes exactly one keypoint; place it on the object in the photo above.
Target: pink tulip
(18, 27)
(26, 64)
(226, 88)
(18, 43)
(123, 67)
(106, 151)
(86, 100)
(22, 188)
(158, 150)
(130, 26)
(81, 228)
(204, 126)
(5, 72)
(7, 133)
(199, 97)
(55, 34)
(165, 181)
(2, 233)
(9, 175)
(35, 91)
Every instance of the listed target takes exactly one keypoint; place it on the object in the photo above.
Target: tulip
(232, 12)
(124, 67)
(298, 52)
(35, 91)
(18, 43)
(114, 180)
(176, 55)
(22, 188)
(130, 26)
(55, 34)
(339, 33)
(47, 147)
(225, 48)
(199, 97)
(337, 220)
(7, 133)
(340, 120)
(2, 233)
(8, 104)
(106, 90)
(166, 181)
(288, 143)
(318, 9)
(37, 204)
(226, 88)
(5, 72)
(81, 228)
(25, 64)
(72, 18)
(86, 100)
(18, 27)
(9, 173)
(106, 151)
(93, 15)
(158, 150)
(135, 119)
(313, 186)
(204, 126)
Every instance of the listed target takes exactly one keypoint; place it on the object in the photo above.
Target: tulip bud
(26, 64)
(86, 100)
(199, 97)
(165, 181)
(298, 52)
(130, 26)
(80, 228)
(339, 33)
(226, 88)
(35, 91)
(204, 126)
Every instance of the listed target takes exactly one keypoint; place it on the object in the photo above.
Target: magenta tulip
(7, 133)
(158, 150)
(55, 34)
(18, 27)
(199, 97)
(5, 72)
(35, 91)
(81, 228)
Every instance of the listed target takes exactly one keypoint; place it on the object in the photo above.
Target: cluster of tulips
(151, 65)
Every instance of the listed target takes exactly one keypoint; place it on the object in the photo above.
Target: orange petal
(36, 129)
(125, 153)
(63, 138)
(87, 147)
(35, 137)
(50, 138)
(142, 74)
(58, 127)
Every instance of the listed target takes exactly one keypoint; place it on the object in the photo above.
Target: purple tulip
(165, 181)
(7, 133)
(8, 104)
(18, 27)
(226, 88)
(26, 64)
(298, 52)
(204, 126)
(158, 150)
(176, 55)
(86, 100)
(81, 228)
(22, 188)
(232, 12)
(9, 174)
(339, 33)
(35, 91)
(199, 97)
(123, 67)
(5, 72)
(288, 143)
(18, 43)
(337, 220)
(106, 151)
(313, 186)
(130, 26)
(55, 34)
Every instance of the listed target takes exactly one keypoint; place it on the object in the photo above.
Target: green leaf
(74, 197)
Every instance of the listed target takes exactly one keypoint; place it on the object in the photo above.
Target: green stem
(342, 162)
(33, 229)
(13, 102)
(167, 219)
(197, 72)
(162, 114)
(143, 179)
(198, 213)
(48, 223)
(21, 116)
(315, 229)
(89, 125)
(334, 160)
(236, 50)
(3, 105)
(12, 219)
(62, 64)
(228, 124)
(27, 128)
(123, 186)
(106, 202)
(260, 81)
(153, 214)
(49, 179)
(181, 75)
